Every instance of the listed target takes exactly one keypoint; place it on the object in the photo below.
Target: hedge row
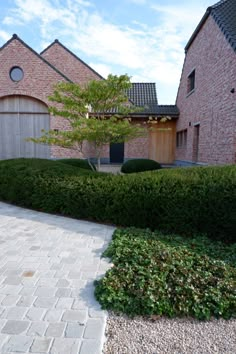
(140, 165)
(185, 201)
(81, 163)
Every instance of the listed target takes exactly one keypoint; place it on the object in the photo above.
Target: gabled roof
(70, 52)
(35, 53)
(224, 14)
(144, 95)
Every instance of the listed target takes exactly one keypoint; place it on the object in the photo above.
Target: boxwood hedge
(81, 163)
(185, 201)
(139, 165)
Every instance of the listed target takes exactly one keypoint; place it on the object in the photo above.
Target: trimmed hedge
(79, 163)
(140, 165)
(185, 201)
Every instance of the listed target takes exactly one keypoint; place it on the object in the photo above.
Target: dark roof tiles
(224, 14)
(144, 95)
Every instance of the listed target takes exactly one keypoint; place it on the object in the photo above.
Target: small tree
(98, 112)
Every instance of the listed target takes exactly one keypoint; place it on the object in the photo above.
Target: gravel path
(169, 336)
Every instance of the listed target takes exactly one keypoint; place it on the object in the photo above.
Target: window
(16, 74)
(181, 138)
(191, 81)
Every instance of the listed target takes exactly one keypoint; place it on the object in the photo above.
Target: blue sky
(143, 38)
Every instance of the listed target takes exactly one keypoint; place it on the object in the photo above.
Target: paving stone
(17, 344)
(63, 292)
(75, 316)
(45, 292)
(61, 274)
(47, 302)
(3, 339)
(27, 291)
(41, 345)
(37, 329)
(68, 260)
(74, 330)
(10, 300)
(53, 315)
(78, 283)
(55, 329)
(66, 346)
(35, 313)
(74, 275)
(26, 301)
(15, 313)
(2, 323)
(12, 280)
(94, 328)
(62, 283)
(43, 259)
(64, 303)
(91, 346)
(15, 327)
(97, 313)
(10, 289)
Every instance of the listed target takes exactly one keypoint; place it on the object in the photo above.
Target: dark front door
(117, 153)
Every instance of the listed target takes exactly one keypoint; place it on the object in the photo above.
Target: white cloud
(148, 53)
(102, 69)
(4, 35)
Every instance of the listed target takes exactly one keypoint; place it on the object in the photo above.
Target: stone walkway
(47, 268)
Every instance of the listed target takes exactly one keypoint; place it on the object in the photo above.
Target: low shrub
(139, 165)
(183, 201)
(159, 275)
(79, 163)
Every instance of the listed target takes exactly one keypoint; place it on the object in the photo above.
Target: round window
(16, 74)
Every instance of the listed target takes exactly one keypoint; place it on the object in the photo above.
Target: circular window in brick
(16, 74)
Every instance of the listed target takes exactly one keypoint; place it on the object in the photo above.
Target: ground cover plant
(156, 274)
(184, 201)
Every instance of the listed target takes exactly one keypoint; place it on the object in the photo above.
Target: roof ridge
(219, 3)
(15, 36)
(56, 41)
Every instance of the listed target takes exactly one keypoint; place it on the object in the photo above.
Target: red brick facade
(39, 77)
(210, 109)
(41, 72)
(71, 66)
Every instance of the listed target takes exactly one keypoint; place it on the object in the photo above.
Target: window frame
(181, 138)
(191, 84)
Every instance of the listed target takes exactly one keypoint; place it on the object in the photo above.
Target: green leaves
(97, 112)
(154, 274)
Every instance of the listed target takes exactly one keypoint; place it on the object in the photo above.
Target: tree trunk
(98, 163)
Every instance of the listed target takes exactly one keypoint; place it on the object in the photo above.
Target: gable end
(75, 56)
(15, 37)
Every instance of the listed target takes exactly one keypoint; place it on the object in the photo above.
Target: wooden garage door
(162, 142)
(22, 117)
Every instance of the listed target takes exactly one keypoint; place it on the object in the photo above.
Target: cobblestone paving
(47, 268)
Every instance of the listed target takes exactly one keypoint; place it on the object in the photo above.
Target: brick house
(27, 79)
(206, 128)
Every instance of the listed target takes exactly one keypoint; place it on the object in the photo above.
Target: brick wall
(68, 64)
(211, 104)
(39, 77)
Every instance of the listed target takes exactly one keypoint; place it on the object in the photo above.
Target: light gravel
(169, 336)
